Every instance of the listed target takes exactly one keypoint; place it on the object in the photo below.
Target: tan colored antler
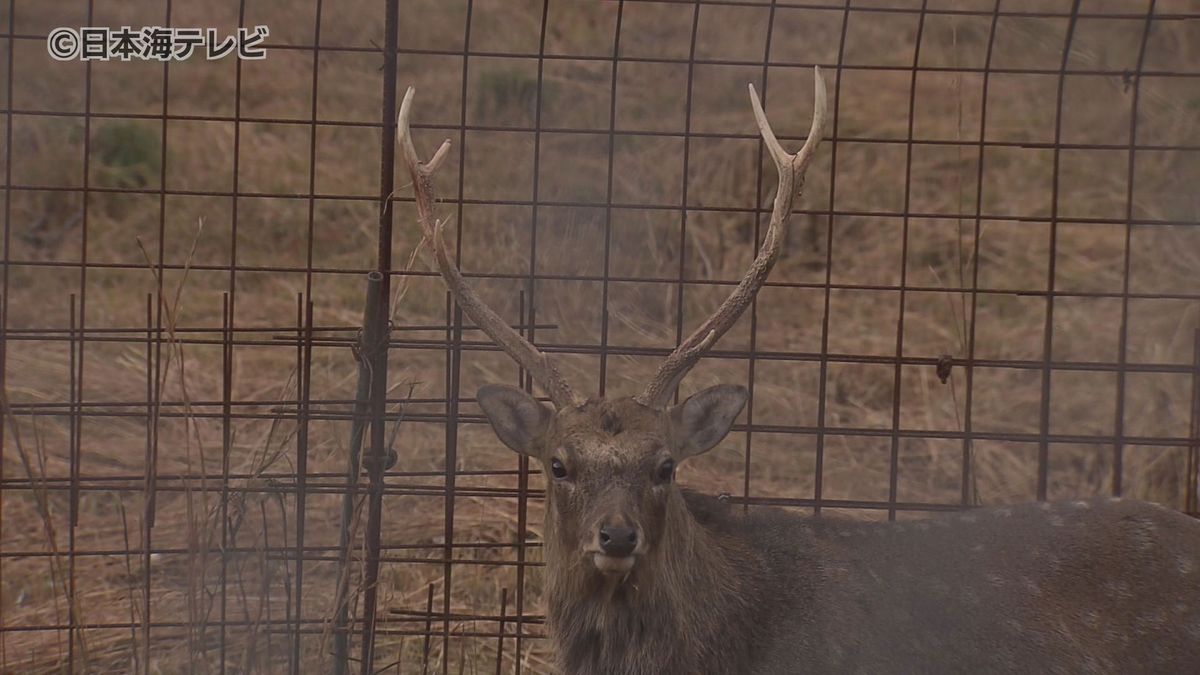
(791, 179)
(521, 350)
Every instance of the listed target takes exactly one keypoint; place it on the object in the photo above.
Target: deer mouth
(613, 565)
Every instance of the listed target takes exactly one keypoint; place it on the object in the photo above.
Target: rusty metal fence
(211, 464)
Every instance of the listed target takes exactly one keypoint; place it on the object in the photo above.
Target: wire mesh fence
(239, 425)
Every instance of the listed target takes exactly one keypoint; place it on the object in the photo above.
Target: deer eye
(557, 469)
(666, 471)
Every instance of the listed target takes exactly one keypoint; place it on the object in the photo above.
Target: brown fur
(1102, 586)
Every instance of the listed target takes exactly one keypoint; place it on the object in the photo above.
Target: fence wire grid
(239, 426)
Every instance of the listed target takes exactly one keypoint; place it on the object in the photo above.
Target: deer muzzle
(616, 546)
(617, 541)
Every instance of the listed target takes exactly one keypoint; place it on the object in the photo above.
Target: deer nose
(618, 541)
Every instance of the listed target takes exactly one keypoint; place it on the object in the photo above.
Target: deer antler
(791, 179)
(517, 347)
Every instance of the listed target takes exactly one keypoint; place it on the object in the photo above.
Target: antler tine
(791, 179)
(518, 348)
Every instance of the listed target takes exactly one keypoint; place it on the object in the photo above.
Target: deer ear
(516, 417)
(705, 418)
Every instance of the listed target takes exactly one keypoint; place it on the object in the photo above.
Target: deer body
(1098, 586)
(644, 578)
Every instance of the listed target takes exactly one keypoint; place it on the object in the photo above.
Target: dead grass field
(864, 239)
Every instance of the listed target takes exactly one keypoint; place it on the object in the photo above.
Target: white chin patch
(610, 565)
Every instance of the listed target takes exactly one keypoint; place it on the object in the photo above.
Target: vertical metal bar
(231, 320)
(73, 456)
(1192, 499)
(6, 290)
(298, 543)
(312, 187)
(1123, 339)
(758, 195)
(376, 335)
(231, 302)
(428, 631)
(312, 153)
(452, 398)
(308, 282)
(897, 391)
(500, 630)
(1048, 331)
(683, 192)
(226, 448)
(362, 392)
(523, 379)
(374, 462)
(156, 398)
(304, 311)
(454, 355)
(523, 485)
(77, 346)
(269, 571)
(608, 198)
(968, 448)
(823, 380)
(150, 481)
(309, 274)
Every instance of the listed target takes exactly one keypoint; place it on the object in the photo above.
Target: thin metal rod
(376, 334)
(967, 494)
(827, 299)
(1192, 477)
(1130, 180)
(1043, 461)
(898, 372)
(304, 311)
(362, 396)
(6, 289)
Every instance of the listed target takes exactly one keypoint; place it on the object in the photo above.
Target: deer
(646, 577)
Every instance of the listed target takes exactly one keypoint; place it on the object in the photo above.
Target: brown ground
(1013, 256)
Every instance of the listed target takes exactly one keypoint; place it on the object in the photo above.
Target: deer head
(610, 463)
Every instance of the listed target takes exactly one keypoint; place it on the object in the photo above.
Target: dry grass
(1013, 255)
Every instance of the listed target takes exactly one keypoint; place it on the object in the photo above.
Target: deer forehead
(618, 432)
(608, 453)
(611, 418)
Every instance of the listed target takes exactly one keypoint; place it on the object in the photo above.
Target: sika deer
(645, 577)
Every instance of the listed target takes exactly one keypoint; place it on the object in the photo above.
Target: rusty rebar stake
(376, 334)
(364, 350)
